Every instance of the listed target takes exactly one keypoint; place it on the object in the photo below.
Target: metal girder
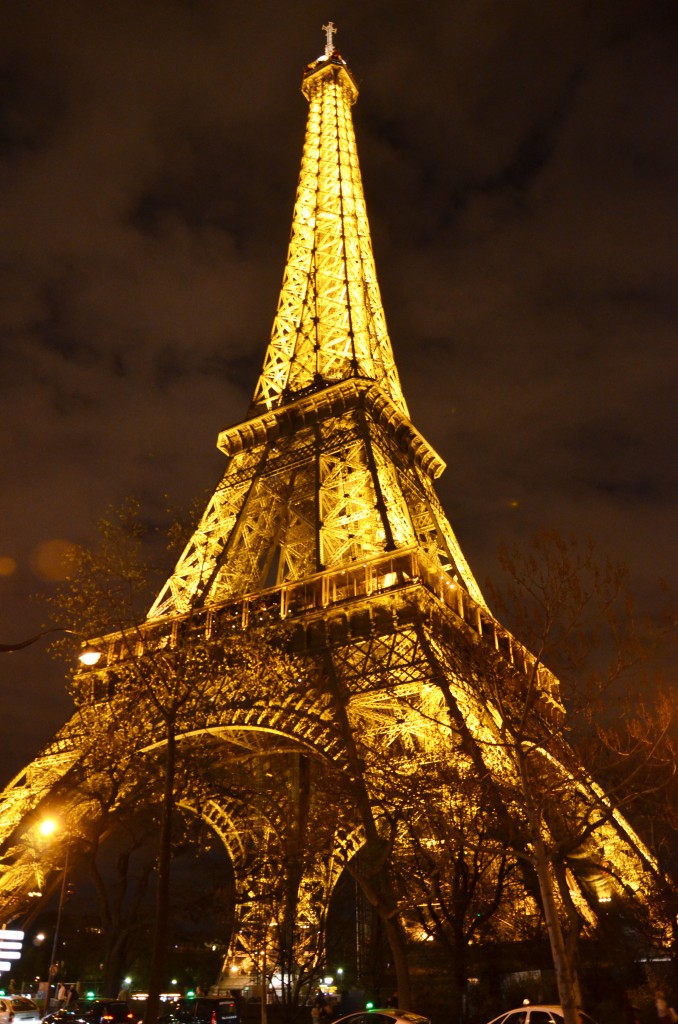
(331, 495)
(330, 321)
(326, 520)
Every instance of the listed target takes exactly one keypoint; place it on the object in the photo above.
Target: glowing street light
(88, 655)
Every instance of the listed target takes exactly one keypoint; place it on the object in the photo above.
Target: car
(200, 1010)
(92, 1011)
(25, 1010)
(18, 1008)
(59, 1015)
(104, 1011)
(538, 1014)
(387, 1016)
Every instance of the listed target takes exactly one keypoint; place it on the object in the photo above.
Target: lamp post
(89, 655)
(62, 893)
(47, 828)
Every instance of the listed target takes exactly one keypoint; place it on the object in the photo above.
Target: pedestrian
(62, 995)
(665, 1013)
(72, 997)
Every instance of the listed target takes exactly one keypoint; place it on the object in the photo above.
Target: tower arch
(325, 532)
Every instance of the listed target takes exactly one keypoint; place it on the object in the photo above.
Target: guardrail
(398, 570)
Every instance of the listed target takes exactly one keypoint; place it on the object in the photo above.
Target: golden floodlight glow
(330, 366)
(326, 516)
(336, 329)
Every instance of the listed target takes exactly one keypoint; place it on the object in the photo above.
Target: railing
(385, 574)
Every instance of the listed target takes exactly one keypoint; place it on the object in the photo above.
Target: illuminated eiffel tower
(326, 517)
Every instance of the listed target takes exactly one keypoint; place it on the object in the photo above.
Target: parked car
(59, 1015)
(200, 1010)
(92, 1011)
(25, 1010)
(389, 1016)
(538, 1015)
(6, 1011)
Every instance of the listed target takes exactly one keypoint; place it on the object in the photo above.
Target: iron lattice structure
(326, 523)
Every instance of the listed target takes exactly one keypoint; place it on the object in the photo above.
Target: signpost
(10, 947)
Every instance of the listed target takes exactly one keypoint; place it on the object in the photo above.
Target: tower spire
(330, 322)
(327, 472)
(329, 29)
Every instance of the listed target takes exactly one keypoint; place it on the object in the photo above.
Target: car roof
(527, 1007)
(390, 1011)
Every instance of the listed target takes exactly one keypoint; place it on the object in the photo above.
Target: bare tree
(160, 688)
(456, 875)
(557, 779)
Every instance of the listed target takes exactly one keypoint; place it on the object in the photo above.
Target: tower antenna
(329, 29)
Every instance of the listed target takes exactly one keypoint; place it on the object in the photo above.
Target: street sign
(10, 947)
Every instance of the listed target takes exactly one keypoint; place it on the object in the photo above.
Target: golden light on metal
(330, 323)
(328, 470)
(326, 516)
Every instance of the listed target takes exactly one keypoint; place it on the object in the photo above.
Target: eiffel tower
(326, 520)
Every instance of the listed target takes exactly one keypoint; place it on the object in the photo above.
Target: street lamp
(48, 827)
(89, 655)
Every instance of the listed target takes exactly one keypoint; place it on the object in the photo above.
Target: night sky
(520, 165)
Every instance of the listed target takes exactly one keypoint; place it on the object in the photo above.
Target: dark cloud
(30, 107)
(520, 164)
